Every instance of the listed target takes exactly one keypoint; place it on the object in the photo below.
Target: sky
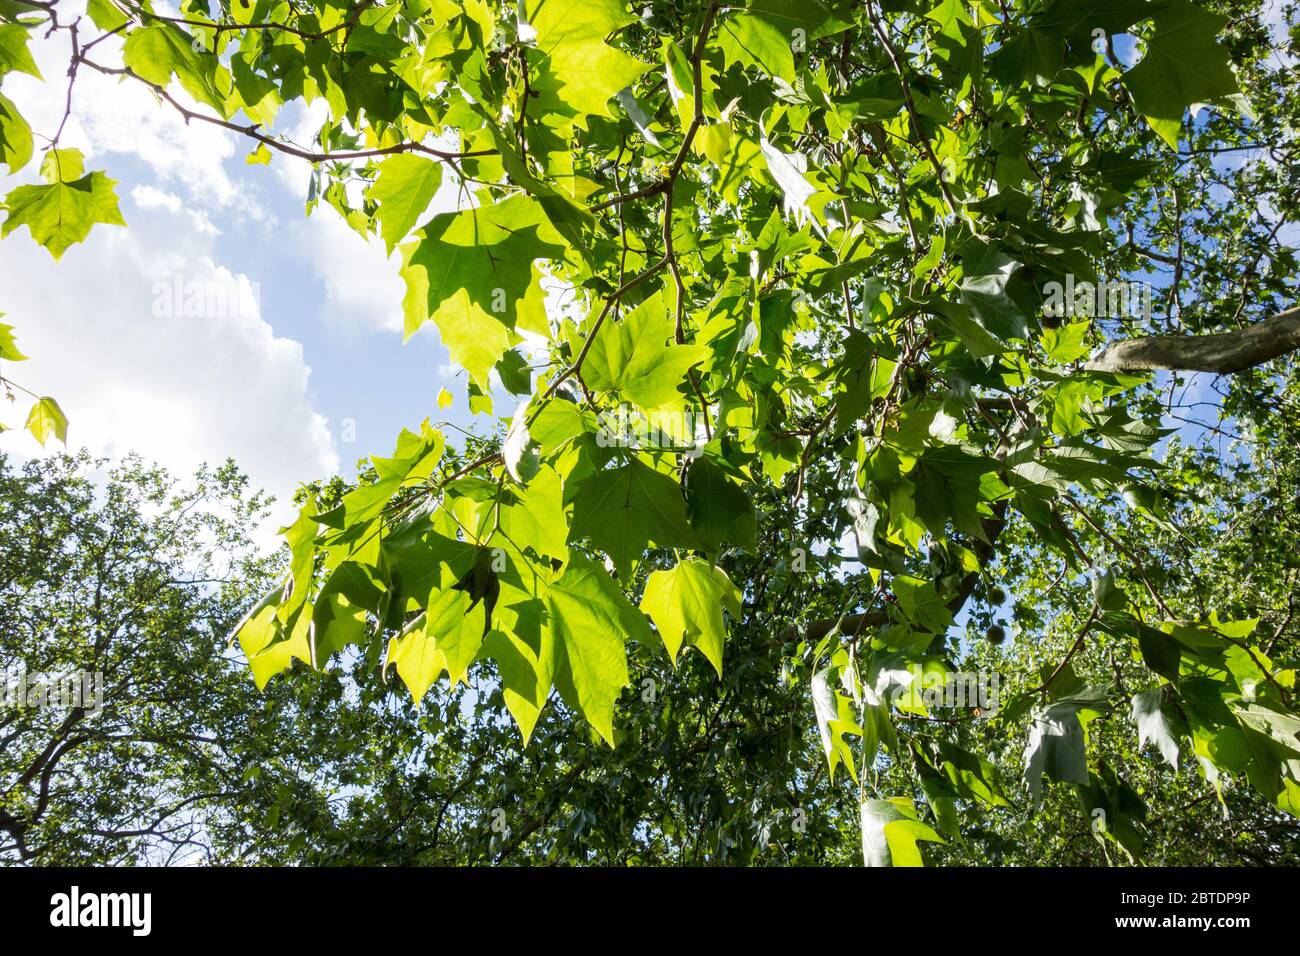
(296, 368)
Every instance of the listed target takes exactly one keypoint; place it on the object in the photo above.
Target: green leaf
(1055, 747)
(160, 50)
(766, 33)
(62, 213)
(106, 16)
(447, 637)
(625, 510)
(526, 674)
(268, 649)
(63, 165)
(1184, 66)
(634, 358)
(1067, 343)
(592, 621)
(1154, 725)
(586, 69)
(470, 272)
(403, 187)
(339, 617)
(686, 604)
(890, 831)
(719, 509)
(1106, 591)
(14, 55)
(538, 518)
(46, 419)
(8, 346)
(984, 290)
(835, 719)
(15, 136)
(519, 452)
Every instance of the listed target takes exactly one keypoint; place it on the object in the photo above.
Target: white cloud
(362, 285)
(147, 197)
(179, 390)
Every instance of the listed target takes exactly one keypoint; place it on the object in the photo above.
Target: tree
(837, 267)
(130, 587)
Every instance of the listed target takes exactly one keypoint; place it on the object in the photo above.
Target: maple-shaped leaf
(403, 188)
(587, 70)
(625, 510)
(471, 272)
(592, 621)
(62, 212)
(633, 357)
(1184, 66)
(686, 605)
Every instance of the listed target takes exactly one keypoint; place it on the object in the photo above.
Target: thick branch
(1224, 353)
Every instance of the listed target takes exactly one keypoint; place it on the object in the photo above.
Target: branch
(852, 625)
(1222, 354)
(253, 132)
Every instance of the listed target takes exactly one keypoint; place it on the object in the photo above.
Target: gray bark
(1223, 353)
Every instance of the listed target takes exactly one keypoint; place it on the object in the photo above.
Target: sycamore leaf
(62, 213)
(15, 136)
(1055, 747)
(519, 452)
(572, 33)
(633, 358)
(268, 650)
(890, 831)
(339, 617)
(523, 645)
(447, 637)
(1068, 343)
(1184, 66)
(835, 719)
(46, 419)
(418, 659)
(625, 510)
(404, 187)
(456, 621)
(719, 509)
(801, 198)
(14, 55)
(160, 50)
(471, 271)
(984, 290)
(8, 345)
(686, 605)
(767, 33)
(106, 16)
(538, 518)
(1153, 724)
(593, 621)
(525, 674)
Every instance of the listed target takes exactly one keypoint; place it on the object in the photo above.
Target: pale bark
(1223, 353)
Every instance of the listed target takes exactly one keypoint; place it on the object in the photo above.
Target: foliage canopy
(850, 261)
